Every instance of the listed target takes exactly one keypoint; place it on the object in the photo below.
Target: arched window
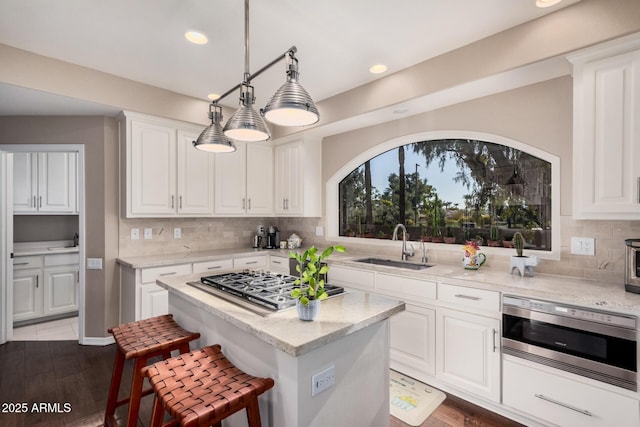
(451, 190)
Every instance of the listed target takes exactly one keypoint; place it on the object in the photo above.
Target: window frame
(332, 188)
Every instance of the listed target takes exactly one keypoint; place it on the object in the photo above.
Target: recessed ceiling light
(378, 69)
(196, 37)
(546, 3)
(213, 96)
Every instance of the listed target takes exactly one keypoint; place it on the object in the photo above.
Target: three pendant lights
(291, 105)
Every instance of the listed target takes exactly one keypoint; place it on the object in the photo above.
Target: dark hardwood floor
(65, 384)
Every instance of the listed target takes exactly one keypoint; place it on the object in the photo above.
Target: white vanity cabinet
(606, 153)
(164, 175)
(45, 285)
(45, 183)
(297, 189)
(468, 340)
(244, 180)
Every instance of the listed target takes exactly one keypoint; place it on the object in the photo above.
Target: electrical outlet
(319, 230)
(148, 233)
(582, 246)
(135, 233)
(323, 380)
(177, 233)
(94, 263)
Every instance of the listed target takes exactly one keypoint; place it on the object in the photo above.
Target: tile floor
(55, 330)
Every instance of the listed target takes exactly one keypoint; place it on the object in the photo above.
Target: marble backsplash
(200, 234)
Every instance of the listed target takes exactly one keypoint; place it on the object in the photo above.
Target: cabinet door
(606, 150)
(468, 353)
(27, 294)
(60, 290)
(195, 177)
(57, 182)
(259, 179)
(231, 181)
(289, 185)
(154, 301)
(153, 169)
(413, 341)
(25, 183)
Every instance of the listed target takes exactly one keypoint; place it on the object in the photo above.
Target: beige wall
(99, 137)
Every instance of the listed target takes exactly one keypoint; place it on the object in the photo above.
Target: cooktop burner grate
(270, 290)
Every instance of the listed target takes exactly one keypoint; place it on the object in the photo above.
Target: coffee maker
(273, 237)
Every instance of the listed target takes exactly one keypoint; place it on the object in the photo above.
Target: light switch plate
(583, 246)
(94, 263)
(177, 233)
(319, 230)
(148, 233)
(135, 234)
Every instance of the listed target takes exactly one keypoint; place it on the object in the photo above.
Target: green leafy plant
(310, 283)
(494, 233)
(518, 242)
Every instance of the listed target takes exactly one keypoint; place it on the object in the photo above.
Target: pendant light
(212, 139)
(291, 105)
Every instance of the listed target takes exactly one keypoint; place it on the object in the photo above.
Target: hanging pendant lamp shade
(291, 105)
(212, 139)
(246, 124)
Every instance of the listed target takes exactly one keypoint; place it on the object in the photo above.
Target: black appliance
(632, 266)
(596, 344)
(273, 238)
(261, 292)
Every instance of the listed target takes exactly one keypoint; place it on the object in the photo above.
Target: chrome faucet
(405, 253)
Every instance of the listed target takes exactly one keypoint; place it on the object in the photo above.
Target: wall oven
(596, 344)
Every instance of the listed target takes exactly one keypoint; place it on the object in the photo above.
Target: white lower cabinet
(60, 290)
(468, 352)
(552, 397)
(278, 264)
(413, 341)
(352, 278)
(27, 294)
(45, 285)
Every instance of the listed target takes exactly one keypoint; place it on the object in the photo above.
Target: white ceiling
(337, 41)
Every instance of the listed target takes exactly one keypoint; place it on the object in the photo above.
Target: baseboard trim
(98, 341)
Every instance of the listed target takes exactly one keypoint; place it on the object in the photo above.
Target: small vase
(309, 311)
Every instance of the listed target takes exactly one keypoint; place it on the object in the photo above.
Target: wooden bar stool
(202, 388)
(142, 340)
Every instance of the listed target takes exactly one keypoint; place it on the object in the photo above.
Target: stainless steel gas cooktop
(261, 292)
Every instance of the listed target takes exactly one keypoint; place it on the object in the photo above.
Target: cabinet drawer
(351, 278)
(61, 259)
(22, 262)
(479, 299)
(150, 275)
(279, 264)
(563, 401)
(212, 266)
(251, 262)
(406, 286)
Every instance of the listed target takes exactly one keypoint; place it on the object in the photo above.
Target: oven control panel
(570, 311)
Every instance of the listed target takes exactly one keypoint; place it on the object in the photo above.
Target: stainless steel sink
(393, 263)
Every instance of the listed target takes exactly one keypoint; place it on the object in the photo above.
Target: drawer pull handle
(20, 263)
(573, 408)
(251, 262)
(463, 296)
(276, 262)
(168, 274)
(213, 267)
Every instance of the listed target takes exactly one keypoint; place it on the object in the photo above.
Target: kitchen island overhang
(351, 334)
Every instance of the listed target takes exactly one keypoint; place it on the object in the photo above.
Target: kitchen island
(350, 335)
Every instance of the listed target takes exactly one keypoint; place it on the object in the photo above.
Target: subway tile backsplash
(201, 234)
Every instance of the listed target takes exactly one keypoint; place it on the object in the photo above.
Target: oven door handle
(566, 405)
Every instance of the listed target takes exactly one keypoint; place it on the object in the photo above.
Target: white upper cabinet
(244, 180)
(298, 177)
(45, 183)
(164, 175)
(606, 152)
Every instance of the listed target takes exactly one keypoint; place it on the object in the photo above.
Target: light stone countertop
(44, 248)
(339, 316)
(569, 290)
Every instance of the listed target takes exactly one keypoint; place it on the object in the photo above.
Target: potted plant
(493, 237)
(310, 285)
(520, 262)
(507, 241)
(449, 238)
